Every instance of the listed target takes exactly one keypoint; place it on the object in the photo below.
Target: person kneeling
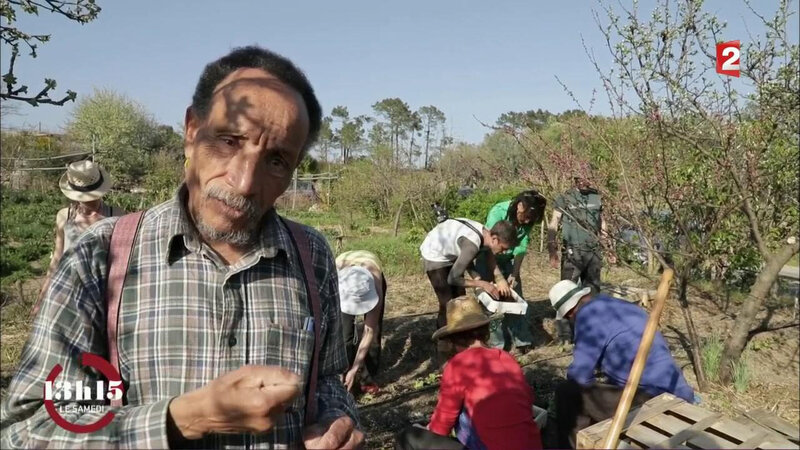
(608, 332)
(483, 392)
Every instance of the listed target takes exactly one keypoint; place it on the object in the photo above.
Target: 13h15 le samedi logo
(82, 397)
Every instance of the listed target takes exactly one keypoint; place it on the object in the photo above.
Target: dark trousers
(351, 338)
(444, 292)
(577, 407)
(414, 437)
(582, 267)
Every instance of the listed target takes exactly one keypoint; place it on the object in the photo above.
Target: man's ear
(191, 124)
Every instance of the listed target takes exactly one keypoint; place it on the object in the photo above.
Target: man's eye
(228, 140)
(279, 162)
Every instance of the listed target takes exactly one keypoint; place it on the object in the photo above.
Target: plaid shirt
(185, 319)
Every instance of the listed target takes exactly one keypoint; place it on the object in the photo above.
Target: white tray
(518, 306)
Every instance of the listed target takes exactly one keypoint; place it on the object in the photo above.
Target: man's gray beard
(238, 238)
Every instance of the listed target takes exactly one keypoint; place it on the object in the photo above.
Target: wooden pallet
(669, 422)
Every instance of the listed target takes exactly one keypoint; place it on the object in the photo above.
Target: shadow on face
(241, 156)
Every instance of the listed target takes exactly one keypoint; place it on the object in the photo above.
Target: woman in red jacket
(483, 395)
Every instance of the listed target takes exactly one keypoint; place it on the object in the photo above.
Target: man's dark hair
(272, 63)
(466, 338)
(534, 204)
(505, 232)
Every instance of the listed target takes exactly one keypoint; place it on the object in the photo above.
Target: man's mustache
(234, 201)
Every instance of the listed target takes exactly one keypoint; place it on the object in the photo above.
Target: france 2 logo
(728, 58)
(76, 391)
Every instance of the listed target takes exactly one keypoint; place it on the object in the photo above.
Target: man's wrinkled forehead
(250, 91)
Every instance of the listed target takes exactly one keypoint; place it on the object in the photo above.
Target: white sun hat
(85, 181)
(357, 292)
(564, 295)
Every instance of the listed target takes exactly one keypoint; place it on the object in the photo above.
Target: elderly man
(215, 335)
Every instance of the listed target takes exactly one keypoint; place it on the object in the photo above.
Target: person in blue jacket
(607, 336)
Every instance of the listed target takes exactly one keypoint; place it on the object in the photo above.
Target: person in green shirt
(523, 211)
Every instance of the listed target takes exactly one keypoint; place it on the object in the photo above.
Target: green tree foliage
(18, 40)
(432, 123)
(399, 123)
(122, 132)
(350, 134)
(533, 120)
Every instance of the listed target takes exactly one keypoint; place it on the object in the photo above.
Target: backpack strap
(471, 227)
(303, 247)
(123, 237)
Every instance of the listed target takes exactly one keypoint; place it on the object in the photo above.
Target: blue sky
(472, 59)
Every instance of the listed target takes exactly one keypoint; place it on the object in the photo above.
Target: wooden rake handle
(612, 439)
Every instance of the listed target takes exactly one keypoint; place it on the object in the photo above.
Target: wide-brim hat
(357, 292)
(565, 295)
(463, 313)
(85, 181)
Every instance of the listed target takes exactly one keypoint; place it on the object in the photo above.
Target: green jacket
(500, 212)
(582, 219)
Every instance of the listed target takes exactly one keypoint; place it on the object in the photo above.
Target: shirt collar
(273, 237)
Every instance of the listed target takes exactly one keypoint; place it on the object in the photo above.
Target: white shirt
(441, 243)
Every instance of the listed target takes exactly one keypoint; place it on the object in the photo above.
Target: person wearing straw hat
(84, 184)
(483, 393)
(607, 335)
(362, 291)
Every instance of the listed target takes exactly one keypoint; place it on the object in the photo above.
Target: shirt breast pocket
(291, 349)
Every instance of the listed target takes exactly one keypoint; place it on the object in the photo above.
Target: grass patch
(712, 355)
(741, 374)
(16, 324)
(794, 262)
(400, 255)
(26, 233)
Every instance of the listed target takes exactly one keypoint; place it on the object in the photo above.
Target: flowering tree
(689, 160)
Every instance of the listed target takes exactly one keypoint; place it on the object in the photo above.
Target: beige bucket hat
(85, 181)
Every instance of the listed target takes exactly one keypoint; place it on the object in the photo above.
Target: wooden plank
(771, 443)
(687, 433)
(763, 417)
(753, 441)
(693, 412)
(770, 435)
(704, 439)
(670, 424)
(647, 436)
(593, 435)
(741, 431)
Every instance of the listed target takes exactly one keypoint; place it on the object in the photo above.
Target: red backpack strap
(304, 250)
(119, 255)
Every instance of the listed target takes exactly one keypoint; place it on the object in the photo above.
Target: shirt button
(231, 341)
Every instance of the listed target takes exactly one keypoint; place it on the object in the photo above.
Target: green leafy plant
(712, 354)
(430, 379)
(741, 374)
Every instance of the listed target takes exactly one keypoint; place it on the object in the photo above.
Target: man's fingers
(280, 393)
(337, 434)
(340, 431)
(356, 440)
